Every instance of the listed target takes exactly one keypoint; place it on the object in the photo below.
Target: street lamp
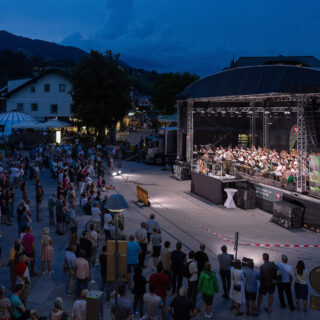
(116, 204)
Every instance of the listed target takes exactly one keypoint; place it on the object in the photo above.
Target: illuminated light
(131, 114)
(113, 173)
(119, 171)
(58, 136)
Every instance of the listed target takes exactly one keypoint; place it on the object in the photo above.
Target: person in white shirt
(107, 221)
(287, 275)
(193, 280)
(96, 214)
(79, 309)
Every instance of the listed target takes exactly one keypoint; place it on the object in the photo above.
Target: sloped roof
(255, 80)
(36, 78)
(306, 61)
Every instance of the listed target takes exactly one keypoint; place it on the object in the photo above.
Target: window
(20, 106)
(34, 107)
(47, 87)
(62, 87)
(33, 89)
(53, 108)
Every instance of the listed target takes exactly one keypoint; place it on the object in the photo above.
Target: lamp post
(116, 204)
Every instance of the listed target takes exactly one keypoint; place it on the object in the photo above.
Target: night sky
(199, 36)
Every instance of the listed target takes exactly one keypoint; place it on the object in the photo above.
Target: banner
(268, 193)
(315, 176)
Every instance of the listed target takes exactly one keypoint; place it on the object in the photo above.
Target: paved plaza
(183, 217)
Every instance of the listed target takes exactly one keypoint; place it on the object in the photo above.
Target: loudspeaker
(287, 215)
(246, 198)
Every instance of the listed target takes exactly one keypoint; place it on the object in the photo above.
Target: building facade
(45, 96)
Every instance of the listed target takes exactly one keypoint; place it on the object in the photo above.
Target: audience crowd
(177, 279)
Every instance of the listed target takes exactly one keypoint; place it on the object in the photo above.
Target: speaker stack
(245, 197)
(287, 215)
(182, 170)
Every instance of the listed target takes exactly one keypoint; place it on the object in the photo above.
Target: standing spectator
(107, 217)
(70, 267)
(151, 224)
(15, 250)
(51, 205)
(19, 311)
(141, 236)
(5, 305)
(94, 240)
(23, 276)
(201, 257)
(79, 309)
(29, 249)
(86, 246)
(166, 259)
(181, 307)
(124, 306)
(133, 251)
(301, 286)
(156, 240)
(139, 289)
(286, 282)
(178, 258)
(193, 279)
(103, 273)
(224, 268)
(162, 284)
(46, 251)
(268, 276)
(57, 313)
(82, 272)
(152, 303)
(237, 292)
(251, 288)
(39, 198)
(96, 214)
(59, 215)
(208, 286)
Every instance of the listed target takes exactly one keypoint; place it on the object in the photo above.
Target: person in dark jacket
(178, 258)
(139, 289)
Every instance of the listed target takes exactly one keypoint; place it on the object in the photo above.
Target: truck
(162, 147)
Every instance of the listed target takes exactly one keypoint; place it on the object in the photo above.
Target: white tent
(55, 124)
(9, 119)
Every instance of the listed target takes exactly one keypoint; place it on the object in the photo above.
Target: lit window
(53, 108)
(34, 107)
(62, 87)
(20, 106)
(47, 87)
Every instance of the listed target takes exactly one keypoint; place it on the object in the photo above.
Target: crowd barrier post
(236, 245)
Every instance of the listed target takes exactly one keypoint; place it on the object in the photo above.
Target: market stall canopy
(55, 124)
(28, 124)
(8, 119)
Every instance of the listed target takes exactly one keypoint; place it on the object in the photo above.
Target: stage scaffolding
(255, 105)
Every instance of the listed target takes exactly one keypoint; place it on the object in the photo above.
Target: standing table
(229, 202)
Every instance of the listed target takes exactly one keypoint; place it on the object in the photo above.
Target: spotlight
(119, 171)
(113, 173)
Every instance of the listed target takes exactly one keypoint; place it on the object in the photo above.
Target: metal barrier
(143, 196)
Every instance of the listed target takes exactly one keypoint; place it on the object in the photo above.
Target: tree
(166, 88)
(100, 91)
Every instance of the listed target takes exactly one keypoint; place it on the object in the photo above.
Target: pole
(116, 275)
(236, 245)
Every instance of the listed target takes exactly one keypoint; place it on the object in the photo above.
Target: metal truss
(265, 130)
(245, 109)
(301, 146)
(252, 124)
(179, 134)
(189, 142)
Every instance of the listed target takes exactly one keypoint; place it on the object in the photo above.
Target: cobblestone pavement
(182, 217)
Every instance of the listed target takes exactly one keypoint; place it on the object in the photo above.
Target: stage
(212, 189)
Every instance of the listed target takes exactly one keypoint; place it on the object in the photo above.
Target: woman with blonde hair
(46, 251)
(57, 313)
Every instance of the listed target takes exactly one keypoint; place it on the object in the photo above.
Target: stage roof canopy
(274, 79)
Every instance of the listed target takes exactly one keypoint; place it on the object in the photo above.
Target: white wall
(42, 98)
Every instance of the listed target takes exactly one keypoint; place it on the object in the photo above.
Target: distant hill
(39, 48)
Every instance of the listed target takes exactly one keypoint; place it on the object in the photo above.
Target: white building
(47, 95)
